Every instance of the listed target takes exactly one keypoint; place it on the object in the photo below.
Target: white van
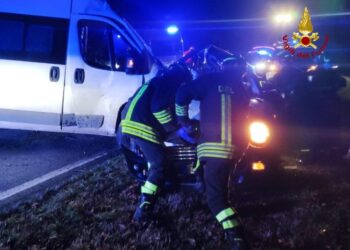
(67, 65)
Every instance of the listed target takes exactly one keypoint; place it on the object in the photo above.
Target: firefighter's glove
(192, 128)
(185, 134)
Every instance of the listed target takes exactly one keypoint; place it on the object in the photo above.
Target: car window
(11, 33)
(121, 49)
(35, 39)
(95, 45)
(39, 40)
(103, 46)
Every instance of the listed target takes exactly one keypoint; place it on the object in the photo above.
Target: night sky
(205, 22)
(177, 10)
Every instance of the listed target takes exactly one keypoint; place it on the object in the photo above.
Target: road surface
(26, 155)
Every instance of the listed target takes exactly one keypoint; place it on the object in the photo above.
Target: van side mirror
(138, 63)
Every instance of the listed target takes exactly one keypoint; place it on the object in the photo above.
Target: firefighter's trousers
(216, 176)
(155, 156)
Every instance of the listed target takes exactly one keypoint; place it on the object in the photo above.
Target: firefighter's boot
(144, 210)
(235, 239)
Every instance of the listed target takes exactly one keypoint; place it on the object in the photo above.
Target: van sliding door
(32, 71)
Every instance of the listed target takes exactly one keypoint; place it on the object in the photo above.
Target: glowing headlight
(312, 68)
(273, 67)
(259, 132)
(260, 66)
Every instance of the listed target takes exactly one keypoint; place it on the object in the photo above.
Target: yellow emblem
(305, 28)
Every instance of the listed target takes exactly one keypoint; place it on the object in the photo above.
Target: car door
(32, 71)
(96, 82)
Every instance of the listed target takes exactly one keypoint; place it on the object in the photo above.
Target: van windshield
(141, 42)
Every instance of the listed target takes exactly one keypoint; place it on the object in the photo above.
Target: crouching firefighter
(149, 118)
(221, 95)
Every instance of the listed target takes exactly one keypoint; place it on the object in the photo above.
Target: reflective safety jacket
(222, 107)
(150, 113)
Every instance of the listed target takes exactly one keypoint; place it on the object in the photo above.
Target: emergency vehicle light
(283, 18)
(172, 29)
(263, 52)
(259, 132)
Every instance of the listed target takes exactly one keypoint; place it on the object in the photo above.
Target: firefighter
(149, 118)
(220, 100)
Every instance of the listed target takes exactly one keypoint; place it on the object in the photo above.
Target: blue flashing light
(263, 52)
(172, 30)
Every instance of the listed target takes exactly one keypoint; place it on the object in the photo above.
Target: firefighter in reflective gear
(149, 118)
(222, 102)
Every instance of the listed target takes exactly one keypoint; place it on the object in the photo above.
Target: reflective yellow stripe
(229, 120)
(216, 155)
(135, 128)
(151, 186)
(223, 118)
(163, 116)
(141, 134)
(198, 164)
(135, 100)
(224, 214)
(230, 224)
(146, 191)
(164, 121)
(228, 154)
(226, 128)
(220, 147)
(216, 144)
(138, 125)
(223, 149)
(181, 110)
(215, 150)
(147, 132)
(140, 130)
(145, 203)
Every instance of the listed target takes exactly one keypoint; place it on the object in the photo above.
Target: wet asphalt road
(25, 155)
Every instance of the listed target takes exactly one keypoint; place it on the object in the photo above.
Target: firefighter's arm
(184, 96)
(161, 109)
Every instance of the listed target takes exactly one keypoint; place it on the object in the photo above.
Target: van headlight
(259, 133)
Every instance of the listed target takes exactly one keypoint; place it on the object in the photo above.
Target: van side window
(39, 41)
(11, 33)
(121, 48)
(95, 45)
(34, 39)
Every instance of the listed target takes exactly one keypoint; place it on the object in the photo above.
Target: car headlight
(261, 66)
(259, 133)
(273, 67)
(312, 68)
